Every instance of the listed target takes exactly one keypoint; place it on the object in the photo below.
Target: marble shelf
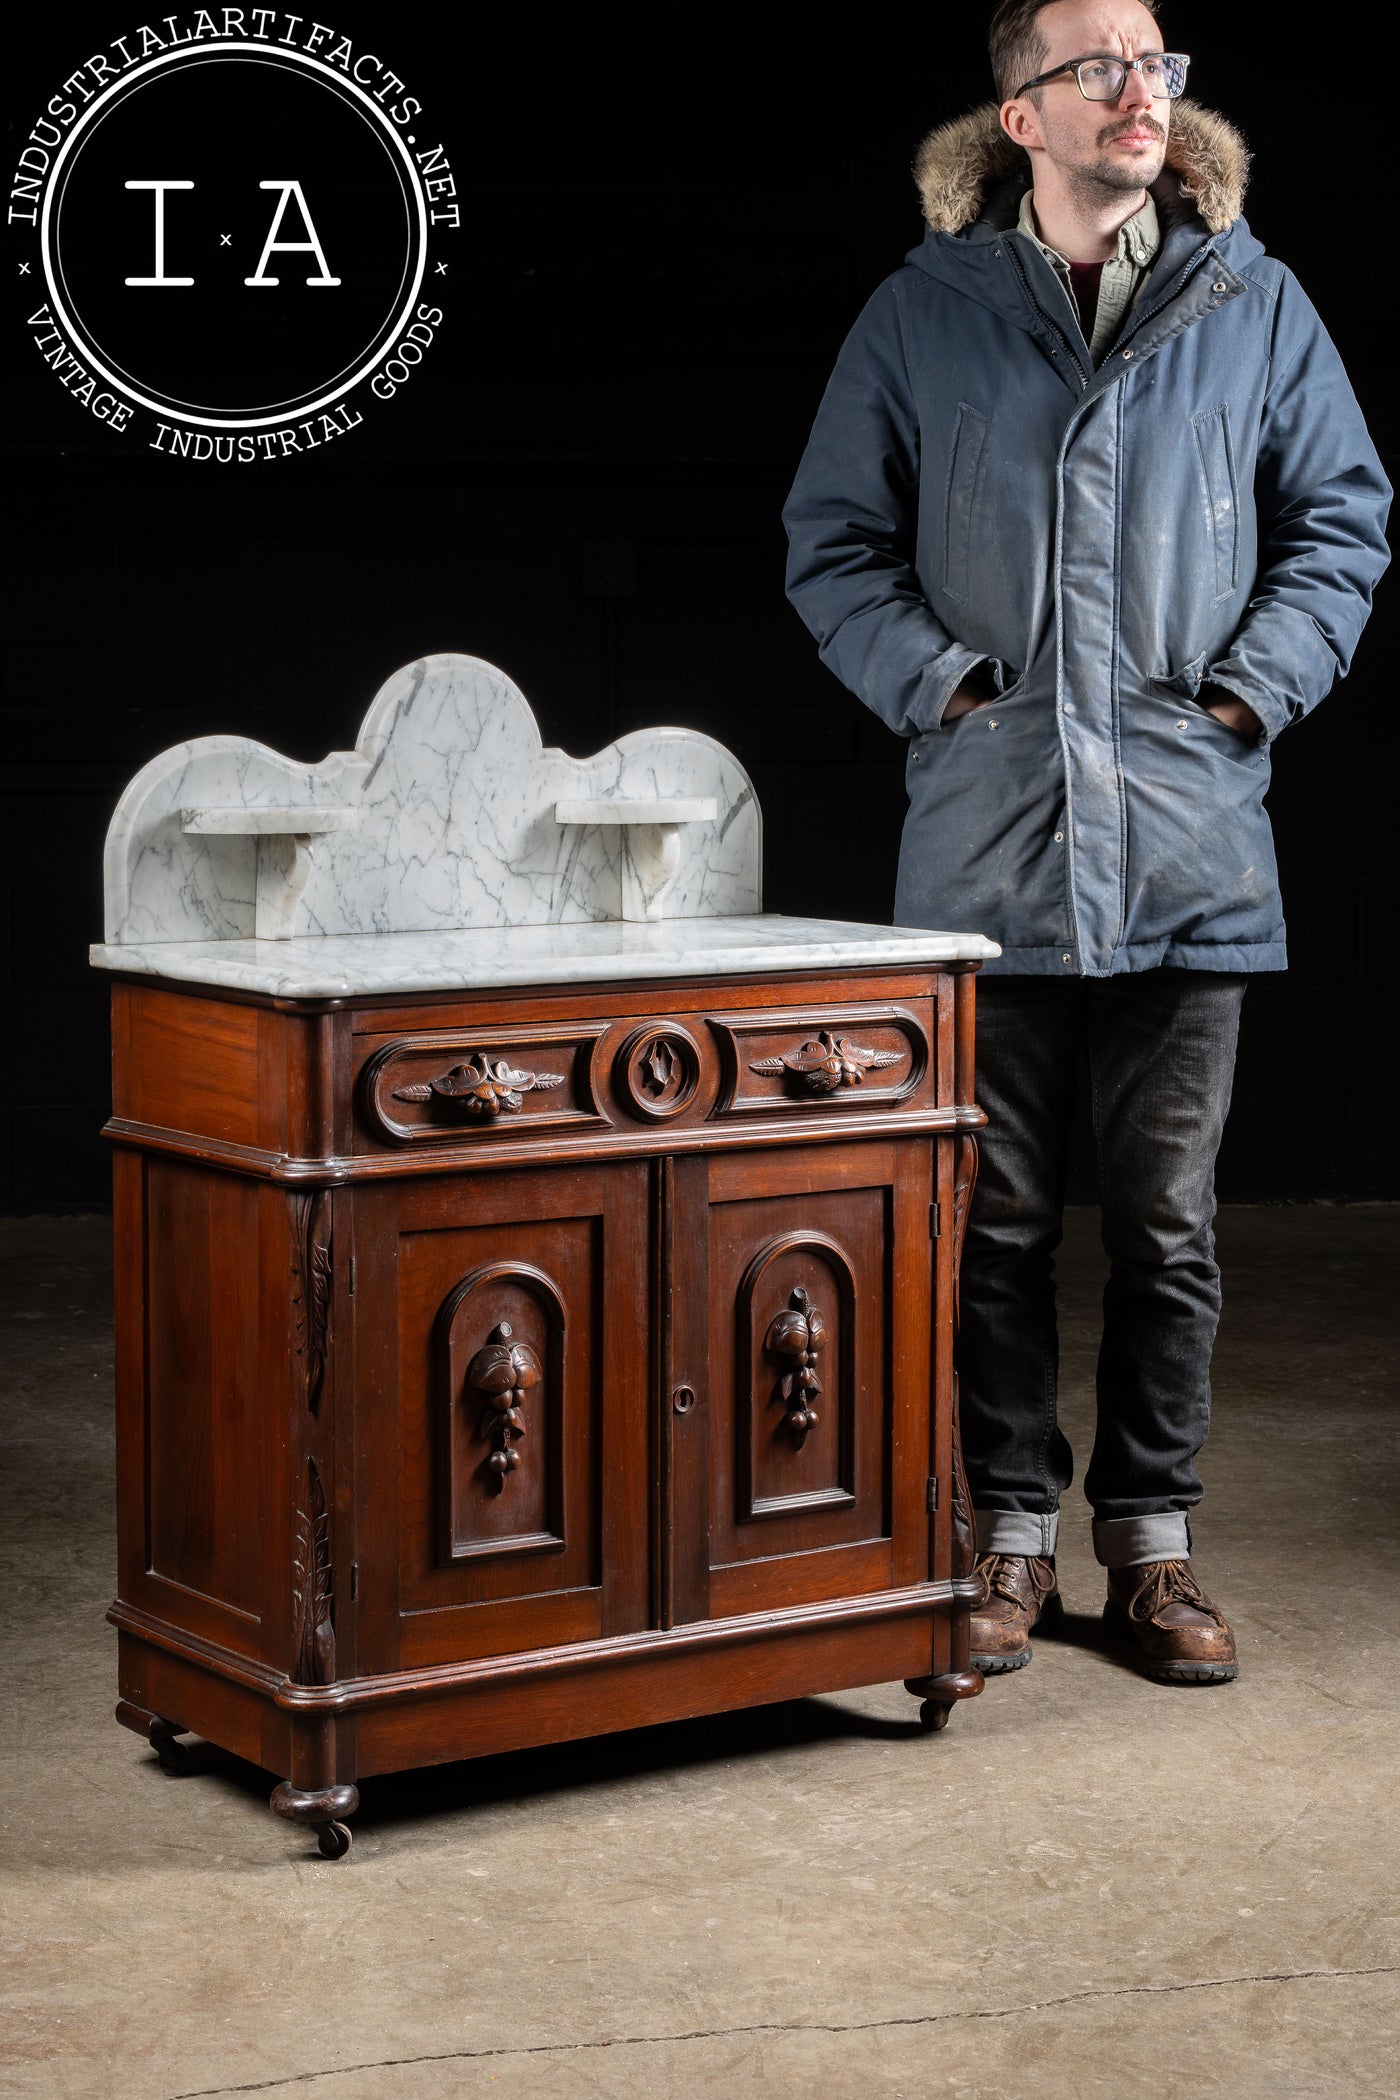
(651, 846)
(362, 965)
(695, 810)
(238, 821)
(285, 853)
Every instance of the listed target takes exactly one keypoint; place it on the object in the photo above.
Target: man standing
(1089, 514)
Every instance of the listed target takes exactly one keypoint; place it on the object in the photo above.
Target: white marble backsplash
(445, 819)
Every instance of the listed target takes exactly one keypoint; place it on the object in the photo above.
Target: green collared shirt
(1124, 274)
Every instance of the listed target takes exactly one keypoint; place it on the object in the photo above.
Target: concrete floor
(1088, 1886)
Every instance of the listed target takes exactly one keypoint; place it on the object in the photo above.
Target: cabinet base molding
(576, 1659)
(367, 1726)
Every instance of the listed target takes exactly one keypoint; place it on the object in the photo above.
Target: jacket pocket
(964, 472)
(1186, 682)
(1185, 686)
(1212, 428)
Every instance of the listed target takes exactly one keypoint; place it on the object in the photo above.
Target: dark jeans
(1160, 1049)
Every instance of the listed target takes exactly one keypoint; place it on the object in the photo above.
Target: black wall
(666, 233)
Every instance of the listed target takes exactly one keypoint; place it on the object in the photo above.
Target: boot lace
(999, 1577)
(1166, 1582)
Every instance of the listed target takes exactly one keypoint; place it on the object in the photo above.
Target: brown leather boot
(1018, 1593)
(1182, 1637)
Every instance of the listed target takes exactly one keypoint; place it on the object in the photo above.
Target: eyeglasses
(1101, 79)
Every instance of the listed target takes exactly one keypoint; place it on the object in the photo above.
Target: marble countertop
(340, 966)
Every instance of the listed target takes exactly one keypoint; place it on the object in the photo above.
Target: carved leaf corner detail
(311, 1288)
(504, 1371)
(964, 1182)
(828, 1062)
(797, 1337)
(961, 1517)
(313, 1623)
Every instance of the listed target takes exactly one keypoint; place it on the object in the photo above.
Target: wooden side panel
(188, 1064)
(129, 1257)
(202, 1415)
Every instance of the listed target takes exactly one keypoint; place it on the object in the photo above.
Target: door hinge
(352, 1276)
(935, 1221)
(354, 1580)
(932, 1497)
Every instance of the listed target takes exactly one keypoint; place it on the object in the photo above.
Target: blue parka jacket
(1205, 505)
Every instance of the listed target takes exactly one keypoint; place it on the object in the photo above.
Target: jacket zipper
(1071, 353)
(1173, 291)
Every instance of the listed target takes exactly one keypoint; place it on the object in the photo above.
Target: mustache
(1127, 124)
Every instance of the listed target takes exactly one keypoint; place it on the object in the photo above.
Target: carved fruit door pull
(504, 1370)
(799, 1336)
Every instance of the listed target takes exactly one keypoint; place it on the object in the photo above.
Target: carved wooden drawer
(824, 1058)
(641, 1074)
(431, 1089)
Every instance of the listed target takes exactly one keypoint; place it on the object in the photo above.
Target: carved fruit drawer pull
(482, 1089)
(829, 1062)
(504, 1370)
(799, 1335)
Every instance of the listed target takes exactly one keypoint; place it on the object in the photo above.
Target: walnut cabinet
(501, 1368)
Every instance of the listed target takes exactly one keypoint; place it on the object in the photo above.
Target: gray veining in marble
(453, 825)
(338, 967)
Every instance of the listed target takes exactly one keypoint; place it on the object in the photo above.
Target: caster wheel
(174, 1757)
(333, 1840)
(933, 1715)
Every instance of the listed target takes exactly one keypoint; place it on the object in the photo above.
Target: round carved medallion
(657, 1071)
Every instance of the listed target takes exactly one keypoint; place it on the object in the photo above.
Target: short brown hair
(1017, 45)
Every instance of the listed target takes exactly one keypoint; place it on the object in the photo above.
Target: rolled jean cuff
(1125, 1542)
(1017, 1531)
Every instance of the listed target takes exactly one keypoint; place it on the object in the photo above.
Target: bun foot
(174, 1757)
(323, 1809)
(940, 1694)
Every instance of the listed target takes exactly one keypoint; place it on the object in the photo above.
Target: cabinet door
(802, 1281)
(501, 1326)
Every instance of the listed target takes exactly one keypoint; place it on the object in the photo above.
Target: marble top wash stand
(536, 1265)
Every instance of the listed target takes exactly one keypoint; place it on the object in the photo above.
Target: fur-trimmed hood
(958, 167)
